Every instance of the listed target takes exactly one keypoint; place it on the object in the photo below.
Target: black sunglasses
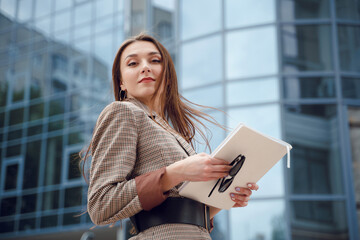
(236, 164)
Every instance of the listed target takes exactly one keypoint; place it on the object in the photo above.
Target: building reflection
(316, 170)
(46, 87)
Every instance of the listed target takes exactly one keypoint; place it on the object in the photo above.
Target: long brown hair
(174, 108)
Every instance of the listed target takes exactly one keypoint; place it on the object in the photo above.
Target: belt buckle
(206, 218)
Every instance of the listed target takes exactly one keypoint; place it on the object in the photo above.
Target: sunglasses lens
(225, 185)
(235, 169)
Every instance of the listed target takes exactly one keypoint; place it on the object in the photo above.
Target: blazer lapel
(182, 142)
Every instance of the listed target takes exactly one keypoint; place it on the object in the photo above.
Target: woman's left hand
(241, 196)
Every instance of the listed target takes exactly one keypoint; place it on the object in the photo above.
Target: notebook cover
(262, 153)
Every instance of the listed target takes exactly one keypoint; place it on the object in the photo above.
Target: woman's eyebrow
(135, 55)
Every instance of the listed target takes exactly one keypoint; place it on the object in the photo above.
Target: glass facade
(288, 68)
(294, 65)
(54, 55)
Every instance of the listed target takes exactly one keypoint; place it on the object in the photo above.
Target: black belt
(173, 210)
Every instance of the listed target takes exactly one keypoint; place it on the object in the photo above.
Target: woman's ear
(122, 87)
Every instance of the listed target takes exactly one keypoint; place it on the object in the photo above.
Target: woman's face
(140, 66)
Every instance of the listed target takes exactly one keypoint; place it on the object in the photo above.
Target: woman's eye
(132, 64)
(156, 60)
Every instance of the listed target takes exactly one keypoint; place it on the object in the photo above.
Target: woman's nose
(145, 68)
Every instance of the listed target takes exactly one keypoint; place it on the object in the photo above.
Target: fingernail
(232, 195)
(233, 199)
(237, 189)
(249, 185)
(247, 199)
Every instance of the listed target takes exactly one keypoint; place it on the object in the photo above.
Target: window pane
(221, 221)
(351, 87)
(7, 227)
(354, 128)
(49, 221)
(83, 13)
(56, 125)
(246, 50)
(76, 137)
(11, 176)
(8, 7)
(16, 116)
(60, 65)
(18, 88)
(104, 7)
(57, 106)
(28, 203)
(103, 49)
(76, 101)
(23, 34)
(53, 160)
(71, 218)
(38, 80)
(27, 224)
(42, 8)
(100, 76)
(82, 32)
(24, 10)
(32, 162)
(73, 197)
(63, 4)
(73, 167)
(43, 27)
(50, 200)
(349, 47)
(309, 87)
(164, 23)
(252, 91)
(248, 12)
(103, 25)
(318, 219)
(259, 220)
(36, 111)
(192, 24)
(3, 85)
(272, 184)
(12, 151)
(312, 130)
(304, 9)
(34, 130)
(207, 96)
(2, 120)
(198, 58)
(217, 134)
(348, 9)
(62, 21)
(8, 206)
(14, 134)
(80, 74)
(269, 115)
(307, 48)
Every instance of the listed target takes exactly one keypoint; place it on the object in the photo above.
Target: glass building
(288, 68)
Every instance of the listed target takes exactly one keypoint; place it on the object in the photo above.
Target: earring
(122, 95)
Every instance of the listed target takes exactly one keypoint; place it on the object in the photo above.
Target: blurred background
(288, 68)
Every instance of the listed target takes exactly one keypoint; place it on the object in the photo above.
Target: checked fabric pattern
(127, 144)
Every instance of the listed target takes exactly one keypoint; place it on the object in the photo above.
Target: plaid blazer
(129, 154)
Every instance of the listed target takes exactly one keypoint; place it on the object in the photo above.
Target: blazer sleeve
(112, 195)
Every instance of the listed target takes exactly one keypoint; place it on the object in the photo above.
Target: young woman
(142, 151)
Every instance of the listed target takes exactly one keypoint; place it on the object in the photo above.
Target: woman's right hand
(199, 167)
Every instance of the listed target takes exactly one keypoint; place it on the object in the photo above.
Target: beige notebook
(251, 153)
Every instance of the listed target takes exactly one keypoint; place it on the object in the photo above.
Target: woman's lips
(146, 80)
